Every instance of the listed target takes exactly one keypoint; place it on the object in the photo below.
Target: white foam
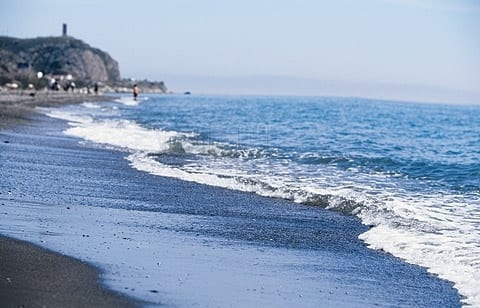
(444, 239)
(72, 118)
(226, 173)
(141, 161)
(118, 133)
(128, 101)
(124, 134)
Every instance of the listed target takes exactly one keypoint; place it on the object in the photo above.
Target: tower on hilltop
(64, 30)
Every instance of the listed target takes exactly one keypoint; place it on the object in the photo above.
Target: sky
(424, 50)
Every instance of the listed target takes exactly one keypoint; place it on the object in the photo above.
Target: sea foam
(118, 133)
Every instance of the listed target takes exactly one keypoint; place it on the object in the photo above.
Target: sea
(410, 171)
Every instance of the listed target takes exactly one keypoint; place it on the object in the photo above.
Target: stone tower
(64, 30)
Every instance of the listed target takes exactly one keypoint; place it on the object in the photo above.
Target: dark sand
(34, 277)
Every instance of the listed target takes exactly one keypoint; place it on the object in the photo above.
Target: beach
(31, 276)
(17, 107)
(164, 241)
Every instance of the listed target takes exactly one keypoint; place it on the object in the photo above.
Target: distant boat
(187, 93)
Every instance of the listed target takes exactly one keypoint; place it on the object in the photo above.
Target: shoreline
(18, 108)
(207, 233)
(31, 275)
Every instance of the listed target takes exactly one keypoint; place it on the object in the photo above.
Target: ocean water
(411, 171)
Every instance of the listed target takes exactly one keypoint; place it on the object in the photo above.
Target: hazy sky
(426, 49)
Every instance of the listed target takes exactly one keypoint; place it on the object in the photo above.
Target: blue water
(411, 171)
(436, 145)
(428, 148)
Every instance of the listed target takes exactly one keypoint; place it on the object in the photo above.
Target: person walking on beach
(135, 92)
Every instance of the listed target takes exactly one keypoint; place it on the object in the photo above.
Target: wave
(438, 230)
(123, 134)
(443, 239)
(413, 228)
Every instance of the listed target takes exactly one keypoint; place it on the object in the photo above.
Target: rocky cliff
(21, 59)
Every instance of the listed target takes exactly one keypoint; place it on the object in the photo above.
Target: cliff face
(23, 58)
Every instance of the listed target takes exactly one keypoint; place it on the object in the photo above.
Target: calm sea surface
(409, 170)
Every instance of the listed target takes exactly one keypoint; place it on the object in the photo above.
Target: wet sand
(31, 276)
(34, 277)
